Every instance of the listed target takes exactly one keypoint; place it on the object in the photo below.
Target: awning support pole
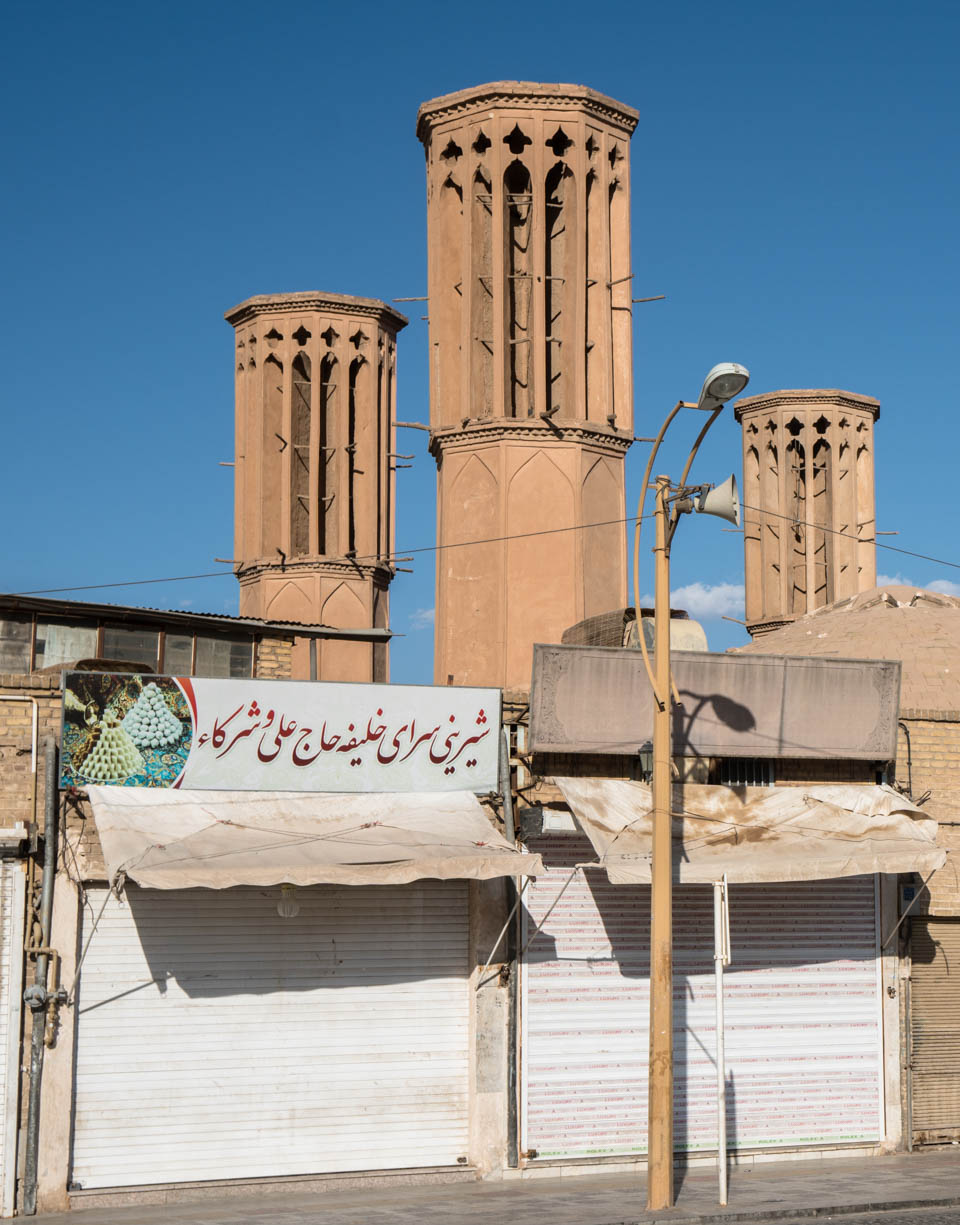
(721, 958)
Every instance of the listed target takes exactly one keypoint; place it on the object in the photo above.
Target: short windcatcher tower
(314, 490)
(808, 502)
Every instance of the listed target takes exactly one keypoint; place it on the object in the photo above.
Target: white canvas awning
(171, 839)
(774, 834)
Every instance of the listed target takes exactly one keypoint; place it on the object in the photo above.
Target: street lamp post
(721, 384)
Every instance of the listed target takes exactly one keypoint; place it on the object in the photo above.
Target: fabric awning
(171, 839)
(756, 834)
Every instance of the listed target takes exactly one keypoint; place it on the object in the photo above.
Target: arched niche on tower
(603, 545)
(272, 447)
(518, 291)
(446, 308)
(481, 273)
(291, 601)
(541, 599)
(343, 660)
(469, 582)
(822, 518)
(300, 414)
(330, 430)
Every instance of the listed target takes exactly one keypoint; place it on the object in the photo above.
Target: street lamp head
(722, 384)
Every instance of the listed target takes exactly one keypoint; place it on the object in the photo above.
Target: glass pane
(241, 658)
(178, 655)
(224, 656)
(15, 646)
(64, 644)
(135, 646)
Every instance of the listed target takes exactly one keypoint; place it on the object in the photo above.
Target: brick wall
(274, 658)
(928, 759)
(16, 718)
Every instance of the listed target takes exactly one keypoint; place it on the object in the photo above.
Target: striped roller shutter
(216, 1040)
(935, 1028)
(803, 1037)
(12, 889)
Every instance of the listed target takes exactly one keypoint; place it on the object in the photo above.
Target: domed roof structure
(920, 628)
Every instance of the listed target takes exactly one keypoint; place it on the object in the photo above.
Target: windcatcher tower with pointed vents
(314, 487)
(809, 520)
(528, 206)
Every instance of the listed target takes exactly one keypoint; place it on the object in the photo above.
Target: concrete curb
(794, 1214)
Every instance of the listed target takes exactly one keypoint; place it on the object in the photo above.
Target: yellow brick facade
(16, 721)
(928, 760)
(274, 658)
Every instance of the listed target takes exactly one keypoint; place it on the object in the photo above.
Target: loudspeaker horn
(724, 501)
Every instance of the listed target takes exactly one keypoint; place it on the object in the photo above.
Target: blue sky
(795, 187)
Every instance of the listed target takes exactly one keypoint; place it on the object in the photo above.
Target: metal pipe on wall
(37, 997)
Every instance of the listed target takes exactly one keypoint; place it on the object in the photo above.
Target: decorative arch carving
(344, 609)
(470, 586)
(291, 602)
(602, 547)
(537, 458)
(541, 570)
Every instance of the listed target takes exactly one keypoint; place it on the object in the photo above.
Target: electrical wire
(548, 531)
(137, 582)
(836, 531)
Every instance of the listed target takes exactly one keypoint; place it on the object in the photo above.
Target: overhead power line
(136, 582)
(547, 531)
(834, 531)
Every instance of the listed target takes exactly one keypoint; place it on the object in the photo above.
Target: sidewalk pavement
(765, 1192)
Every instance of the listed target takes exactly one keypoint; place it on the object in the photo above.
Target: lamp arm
(696, 447)
(643, 497)
(636, 546)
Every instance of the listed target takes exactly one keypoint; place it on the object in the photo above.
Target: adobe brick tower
(809, 521)
(528, 207)
(314, 487)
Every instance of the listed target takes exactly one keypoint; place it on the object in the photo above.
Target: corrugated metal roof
(182, 616)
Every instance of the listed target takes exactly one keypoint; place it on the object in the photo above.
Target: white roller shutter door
(803, 1036)
(12, 890)
(217, 1040)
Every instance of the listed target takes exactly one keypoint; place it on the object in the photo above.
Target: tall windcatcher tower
(528, 207)
(808, 502)
(314, 489)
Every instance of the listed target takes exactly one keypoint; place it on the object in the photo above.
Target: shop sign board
(275, 735)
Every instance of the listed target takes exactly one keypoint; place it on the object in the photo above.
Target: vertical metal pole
(660, 1087)
(719, 959)
(513, 986)
(37, 996)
